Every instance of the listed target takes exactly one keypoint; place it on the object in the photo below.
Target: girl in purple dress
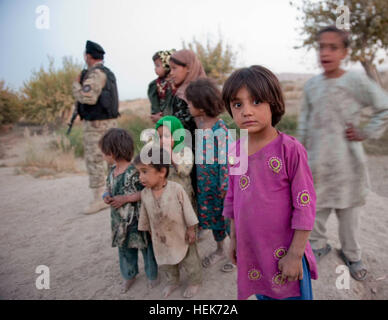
(271, 201)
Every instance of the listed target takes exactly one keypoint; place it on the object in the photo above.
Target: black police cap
(94, 49)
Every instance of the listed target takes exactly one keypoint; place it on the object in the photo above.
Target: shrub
(10, 105)
(48, 94)
(218, 60)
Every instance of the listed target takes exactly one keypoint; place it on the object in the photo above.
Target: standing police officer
(97, 104)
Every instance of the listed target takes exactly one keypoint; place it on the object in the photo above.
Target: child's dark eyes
(237, 105)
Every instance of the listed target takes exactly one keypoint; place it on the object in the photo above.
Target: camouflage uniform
(88, 93)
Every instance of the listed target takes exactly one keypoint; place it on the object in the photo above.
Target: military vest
(107, 106)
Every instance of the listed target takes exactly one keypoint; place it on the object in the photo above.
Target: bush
(10, 105)
(48, 94)
(218, 60)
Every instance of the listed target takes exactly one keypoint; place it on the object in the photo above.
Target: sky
(259, 31)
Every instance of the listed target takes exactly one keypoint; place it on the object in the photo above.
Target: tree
(10, 105)
(368, 27)
(48, 94)
(218, 60)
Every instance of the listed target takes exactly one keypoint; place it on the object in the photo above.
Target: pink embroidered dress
(272, 199)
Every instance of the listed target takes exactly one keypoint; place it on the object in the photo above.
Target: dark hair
(155, 56)
(118, 143)
(262, 85)
(160, 161)
(204, 94)
(343, 34)
(179, 63)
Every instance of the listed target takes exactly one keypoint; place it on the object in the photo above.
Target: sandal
(211, 259)
(228, 267)
(356, 268)
(320, 253)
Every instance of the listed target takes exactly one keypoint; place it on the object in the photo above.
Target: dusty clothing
(192, 265)
(168, 219)
(181, 172)
(90, 90)
(337, 164)
(93, 131)
(349, 224)
(124, 220)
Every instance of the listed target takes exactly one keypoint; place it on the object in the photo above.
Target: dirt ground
(41, 224)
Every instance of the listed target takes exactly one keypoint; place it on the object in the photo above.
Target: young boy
(160, 90)
(167, 213)
(329, 127)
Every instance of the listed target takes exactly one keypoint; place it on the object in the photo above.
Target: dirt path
(41, 224)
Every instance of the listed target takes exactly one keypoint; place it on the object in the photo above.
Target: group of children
(273, 209)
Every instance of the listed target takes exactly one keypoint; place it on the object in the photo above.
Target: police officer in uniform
(96, 93)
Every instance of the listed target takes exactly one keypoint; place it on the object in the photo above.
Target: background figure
(95, 90)
(185, 68)
(205, 105)
(329, 128)
(182, 158)
(160, 90)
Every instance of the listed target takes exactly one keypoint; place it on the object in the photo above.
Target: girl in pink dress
(271, 202)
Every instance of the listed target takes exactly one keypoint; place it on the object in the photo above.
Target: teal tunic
(124, 220)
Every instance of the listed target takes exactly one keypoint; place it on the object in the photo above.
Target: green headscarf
(173, 123)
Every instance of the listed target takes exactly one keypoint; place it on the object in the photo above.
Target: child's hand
(291, 267)
(118, 201)
(190, 235)
(107, 199)
(233, 251)
(353, 134)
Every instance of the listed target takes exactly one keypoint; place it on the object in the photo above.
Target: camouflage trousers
(93, 131)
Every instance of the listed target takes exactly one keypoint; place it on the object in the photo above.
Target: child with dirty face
(167, 213)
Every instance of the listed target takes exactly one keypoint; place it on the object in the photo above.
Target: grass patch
(74, 140)
(47, 155)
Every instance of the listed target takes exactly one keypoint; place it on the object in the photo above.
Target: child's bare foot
(153, 283)
(191, 290)
(127, 284)
(170, 288)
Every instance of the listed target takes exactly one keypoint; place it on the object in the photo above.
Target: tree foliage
(368, 27)
(218, 60)
(48, 94)
(10, 105)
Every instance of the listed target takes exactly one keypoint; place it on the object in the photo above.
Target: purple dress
(272, 199)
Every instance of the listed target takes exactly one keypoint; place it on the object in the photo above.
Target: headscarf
(173, 123)
(194, 67)
(165, 56)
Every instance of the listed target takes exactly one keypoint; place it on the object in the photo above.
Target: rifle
(73, 117)
(75, 112)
